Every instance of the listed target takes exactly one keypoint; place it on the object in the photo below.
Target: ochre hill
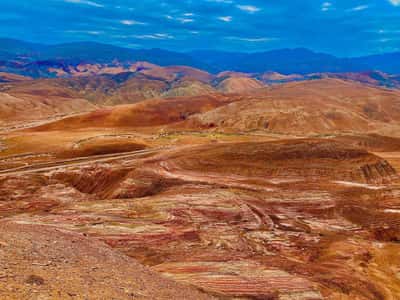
(239, 85)
(173, 73)
(147, 113)
(10, 77)
(308, 107)
(318, 159)
(105, 86)
(328, 106)
(38, 104)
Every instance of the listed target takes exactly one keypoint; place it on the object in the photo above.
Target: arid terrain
(152, 182)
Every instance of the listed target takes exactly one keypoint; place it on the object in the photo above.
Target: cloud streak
(252, 40)
(131, 22)
(155, 36)
(85, 2)
(225, 19)
(249, 8)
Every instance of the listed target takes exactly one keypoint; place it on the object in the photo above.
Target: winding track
(80, 161)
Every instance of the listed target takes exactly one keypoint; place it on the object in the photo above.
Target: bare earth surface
(196, 198)
(41, 262)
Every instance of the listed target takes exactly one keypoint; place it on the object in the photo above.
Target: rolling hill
(308, 107)
(326, 106)
(149, 113)
(134, 83)
(32, 106)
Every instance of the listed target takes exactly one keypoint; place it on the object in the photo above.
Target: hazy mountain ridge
(286, 61)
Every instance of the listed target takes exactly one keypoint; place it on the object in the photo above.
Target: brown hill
(136, 89)
(309, 107)
(188, 88)
(96, 89)
(38, 103)
(226, 74)
(238, 85)
(169, 73)
(328, 106)
(118, 84)
(316, 159)
(147, 113)
(371, 142)
(114, 85)
(123, 88)
(374, 78)
(9, 77)
(173, 73)
(274, 77)
(39, 99)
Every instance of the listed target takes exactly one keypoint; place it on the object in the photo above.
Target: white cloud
(221, 1)
(252, 40)
(155, 36)
(390, 31)
(360, 7)
(225, 19)
(248, 8)
(326, 6)
(395, 2)
(185, 20)
(131, 22)
(86, 2)
(90, 32)
(93, 32)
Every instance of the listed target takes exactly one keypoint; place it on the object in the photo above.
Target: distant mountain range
(296, 61)
(90, 52)
(29, 59)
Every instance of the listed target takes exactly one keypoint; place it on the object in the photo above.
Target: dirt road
(80, 161)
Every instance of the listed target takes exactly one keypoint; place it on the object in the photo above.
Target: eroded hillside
(285, 192)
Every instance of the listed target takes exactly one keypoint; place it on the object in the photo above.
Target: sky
(342, 27)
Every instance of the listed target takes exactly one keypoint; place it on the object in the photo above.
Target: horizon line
(195, 49)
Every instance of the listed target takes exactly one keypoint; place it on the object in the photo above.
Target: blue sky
(343, 28)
